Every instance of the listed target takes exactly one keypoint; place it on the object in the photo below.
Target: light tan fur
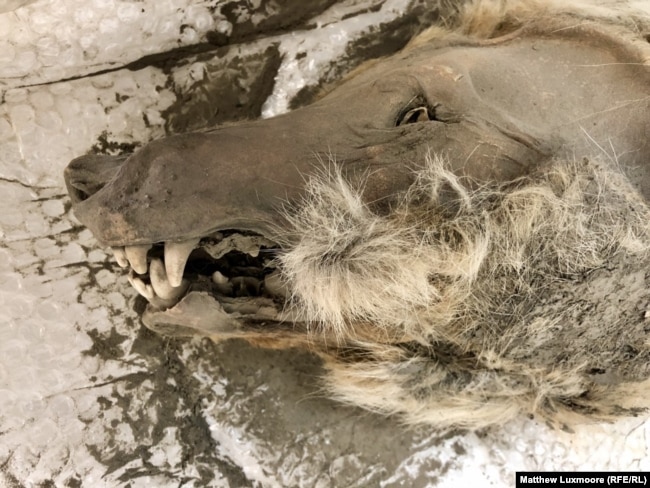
(446, 309)
(485, 19)
(456, 274)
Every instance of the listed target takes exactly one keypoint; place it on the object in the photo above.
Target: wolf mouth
(237, 270)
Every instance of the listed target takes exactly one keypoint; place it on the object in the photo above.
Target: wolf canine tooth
(120, 256)
(160, 283)
(137, 256)
(176, 254)
(143, 289)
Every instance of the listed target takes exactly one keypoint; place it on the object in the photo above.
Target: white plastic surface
(58, 288)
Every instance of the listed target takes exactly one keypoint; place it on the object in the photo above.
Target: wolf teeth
(223, 284)
(137, 257)
(161, 285)
(120, 256)
(143, 289)
(176, 255)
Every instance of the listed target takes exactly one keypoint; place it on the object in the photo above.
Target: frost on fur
(462, 268)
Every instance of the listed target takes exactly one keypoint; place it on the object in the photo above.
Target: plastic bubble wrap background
(90, 398)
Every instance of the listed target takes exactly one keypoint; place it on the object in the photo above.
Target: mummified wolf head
(475, 248)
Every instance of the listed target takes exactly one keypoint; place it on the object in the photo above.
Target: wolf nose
(86, 175)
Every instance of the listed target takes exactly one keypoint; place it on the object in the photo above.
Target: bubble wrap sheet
(90, 398)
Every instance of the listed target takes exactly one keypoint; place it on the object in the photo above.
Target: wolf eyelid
(421, 113)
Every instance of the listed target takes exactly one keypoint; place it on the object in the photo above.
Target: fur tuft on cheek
(349, 265)
(449, 257)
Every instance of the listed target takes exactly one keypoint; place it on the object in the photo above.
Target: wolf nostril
(86, 175)
(77, 195)
(80, 187)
